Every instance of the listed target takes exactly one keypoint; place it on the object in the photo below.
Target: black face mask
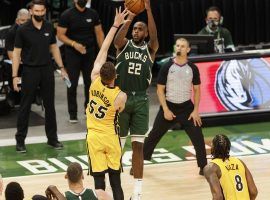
(82, 3)
(39, 18)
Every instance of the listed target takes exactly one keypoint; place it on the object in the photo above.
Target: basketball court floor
(172, 174)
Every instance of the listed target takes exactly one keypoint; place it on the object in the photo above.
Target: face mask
(212, 24)
(39, 18)
(82, 3)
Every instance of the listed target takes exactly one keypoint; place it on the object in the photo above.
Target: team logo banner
(235, 85)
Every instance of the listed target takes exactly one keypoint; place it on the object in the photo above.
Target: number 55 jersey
(103, 145)
(102, 117)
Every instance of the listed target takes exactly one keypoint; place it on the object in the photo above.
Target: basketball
(135, 6)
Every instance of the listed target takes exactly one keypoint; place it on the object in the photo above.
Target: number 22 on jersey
(134, 68)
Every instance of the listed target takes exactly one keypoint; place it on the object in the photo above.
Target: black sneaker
(73, 119)
(56, 145)
(20, 148)
(201, 172)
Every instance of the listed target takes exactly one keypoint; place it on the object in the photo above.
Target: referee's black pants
(32, 77)
(161, 126)
(76, 62)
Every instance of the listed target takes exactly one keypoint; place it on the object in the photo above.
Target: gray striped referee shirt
(178, 80)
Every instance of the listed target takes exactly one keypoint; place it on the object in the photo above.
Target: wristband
(60, 67)
(14, 77)
(115, 26)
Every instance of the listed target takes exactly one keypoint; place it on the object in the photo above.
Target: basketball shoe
(136, 197)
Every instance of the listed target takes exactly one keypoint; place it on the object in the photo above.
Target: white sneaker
(136, 197)
(73, 120)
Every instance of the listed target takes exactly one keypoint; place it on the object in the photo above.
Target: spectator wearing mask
(35, 42)
(78, 29)
(222, 36)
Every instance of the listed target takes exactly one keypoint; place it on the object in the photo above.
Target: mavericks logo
(243, 84)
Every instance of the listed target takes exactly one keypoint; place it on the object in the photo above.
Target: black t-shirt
(35, 43)
(80, 25)
(10, 37)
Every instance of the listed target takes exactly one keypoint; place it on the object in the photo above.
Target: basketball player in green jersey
(76, 190)
(134, 65)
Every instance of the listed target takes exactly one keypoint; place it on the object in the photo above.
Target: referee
(34, 42)
(175, 82)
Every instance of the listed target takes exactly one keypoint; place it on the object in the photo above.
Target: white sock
(123, 142)
(137, 186)
(107, 182)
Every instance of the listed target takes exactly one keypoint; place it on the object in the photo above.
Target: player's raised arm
(102, 54)
(120, 39)
(152, 29)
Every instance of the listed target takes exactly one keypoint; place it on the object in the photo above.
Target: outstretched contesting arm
(120, 39)
(102, 54)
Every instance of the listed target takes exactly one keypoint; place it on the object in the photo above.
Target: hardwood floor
(175, 181)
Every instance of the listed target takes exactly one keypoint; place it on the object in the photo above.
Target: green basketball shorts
(135, 116)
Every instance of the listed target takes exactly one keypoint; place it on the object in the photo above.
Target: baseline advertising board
(235, 86)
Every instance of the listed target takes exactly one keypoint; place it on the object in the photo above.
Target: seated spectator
(14, 191)
(75, 178)
(39, 197)
(222, 36)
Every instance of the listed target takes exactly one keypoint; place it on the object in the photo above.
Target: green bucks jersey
(134, 68)
(86, 194)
